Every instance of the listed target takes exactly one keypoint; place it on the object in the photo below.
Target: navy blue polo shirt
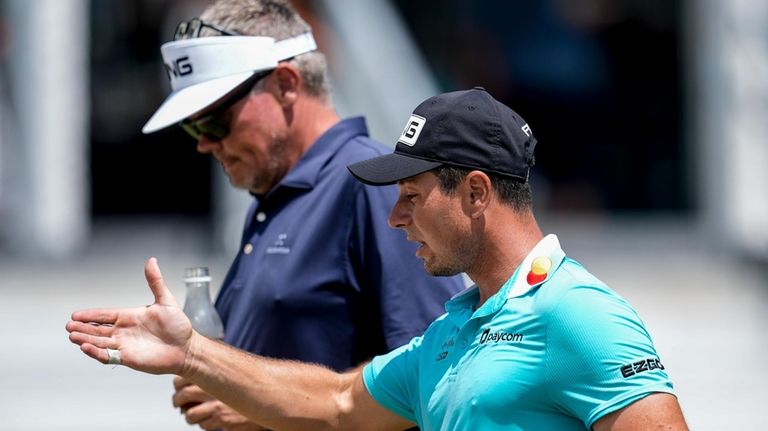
(320, 276)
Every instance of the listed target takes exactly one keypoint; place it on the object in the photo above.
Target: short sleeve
(600, 357)
(392, 379)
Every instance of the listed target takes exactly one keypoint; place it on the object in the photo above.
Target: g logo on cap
(412, 130)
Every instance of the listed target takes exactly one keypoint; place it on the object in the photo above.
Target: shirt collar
(307, 170)
(547, 256)
(529, 274)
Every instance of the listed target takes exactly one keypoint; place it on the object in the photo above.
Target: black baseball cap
(468, 129)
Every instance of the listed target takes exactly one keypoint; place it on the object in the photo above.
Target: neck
(304, 122)
(308, 119)
(504, 248)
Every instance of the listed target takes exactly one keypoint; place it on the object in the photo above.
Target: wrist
(192, 355)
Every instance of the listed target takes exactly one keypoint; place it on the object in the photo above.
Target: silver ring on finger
(114, 357)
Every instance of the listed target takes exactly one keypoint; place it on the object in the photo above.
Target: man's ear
(288, 79)
(477, 193)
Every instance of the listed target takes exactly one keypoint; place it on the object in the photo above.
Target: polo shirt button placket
(467, 333)
(260, 217)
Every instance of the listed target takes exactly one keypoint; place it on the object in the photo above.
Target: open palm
(153, 339)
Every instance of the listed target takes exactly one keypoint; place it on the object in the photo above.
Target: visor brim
(193, 99)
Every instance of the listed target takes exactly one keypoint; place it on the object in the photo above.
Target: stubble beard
(454, 264)
(277, 166)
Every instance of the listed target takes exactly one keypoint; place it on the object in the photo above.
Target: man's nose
(205, 145)
(399, 217)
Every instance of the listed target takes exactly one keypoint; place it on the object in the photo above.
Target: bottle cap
(198, 274)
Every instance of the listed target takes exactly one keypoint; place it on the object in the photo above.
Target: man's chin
(237, 183)
(440, 271)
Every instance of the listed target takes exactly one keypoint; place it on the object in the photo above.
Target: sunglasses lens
(191, 130)
(210, 127)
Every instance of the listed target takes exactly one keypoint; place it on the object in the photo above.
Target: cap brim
(190, 100)
(389, 169)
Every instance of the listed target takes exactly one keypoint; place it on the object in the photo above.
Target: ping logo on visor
(412, 130)
(194, 61)
(178, 67)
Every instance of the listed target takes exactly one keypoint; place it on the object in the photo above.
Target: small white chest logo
(280, 246)
(412, 130)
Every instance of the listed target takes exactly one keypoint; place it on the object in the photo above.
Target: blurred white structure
(49, 80)
(728, 45)
(379, 71)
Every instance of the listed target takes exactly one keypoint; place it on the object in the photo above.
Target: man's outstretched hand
(155, 339)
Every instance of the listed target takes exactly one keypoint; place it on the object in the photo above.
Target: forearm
(278, 394)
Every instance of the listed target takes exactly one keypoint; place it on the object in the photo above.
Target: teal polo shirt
(554, 349)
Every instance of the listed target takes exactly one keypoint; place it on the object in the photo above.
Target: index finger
(96, 315)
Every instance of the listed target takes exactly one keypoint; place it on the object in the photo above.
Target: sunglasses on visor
(212, 126)
(191, 29)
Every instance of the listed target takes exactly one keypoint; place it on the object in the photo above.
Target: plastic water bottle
(198, 306)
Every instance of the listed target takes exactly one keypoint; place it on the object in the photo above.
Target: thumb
(154, 277)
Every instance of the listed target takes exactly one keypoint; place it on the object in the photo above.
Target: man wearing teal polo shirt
(537, 344)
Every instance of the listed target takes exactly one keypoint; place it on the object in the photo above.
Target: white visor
(203, 70)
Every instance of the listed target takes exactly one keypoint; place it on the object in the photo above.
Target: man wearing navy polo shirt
(538, 343)
(319, 277)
